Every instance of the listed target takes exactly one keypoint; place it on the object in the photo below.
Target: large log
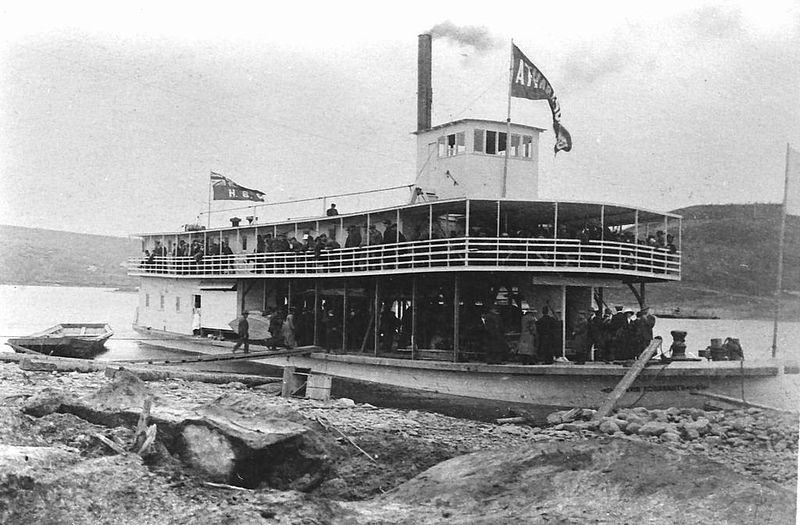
(628, 379)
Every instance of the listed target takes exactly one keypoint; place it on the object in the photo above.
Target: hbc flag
(226, 190)
(528, 82)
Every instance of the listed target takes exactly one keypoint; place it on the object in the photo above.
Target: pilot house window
(494, 143)
(452, 144)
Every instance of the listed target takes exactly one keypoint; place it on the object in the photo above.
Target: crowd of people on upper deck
(363, 235)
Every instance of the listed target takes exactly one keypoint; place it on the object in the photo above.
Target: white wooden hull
(658, 386)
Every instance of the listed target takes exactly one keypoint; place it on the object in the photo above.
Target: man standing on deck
(528, 337)
(645, 321)
(244, 335)
(496, 346)
(332, 211)
(549, 335)
(580, 338)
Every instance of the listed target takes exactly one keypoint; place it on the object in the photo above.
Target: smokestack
(424, 88)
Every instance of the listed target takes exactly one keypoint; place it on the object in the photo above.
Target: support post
(376, 316)
(563, 321)
(316, 312)
(456, 301)
(344, 317)
(414, 326)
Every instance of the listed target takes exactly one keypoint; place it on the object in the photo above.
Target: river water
(28, 309)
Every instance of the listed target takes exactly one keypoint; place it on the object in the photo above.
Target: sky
(112, 116)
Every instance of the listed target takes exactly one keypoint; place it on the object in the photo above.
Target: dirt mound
(611, 480)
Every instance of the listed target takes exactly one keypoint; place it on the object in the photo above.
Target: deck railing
(479, 253)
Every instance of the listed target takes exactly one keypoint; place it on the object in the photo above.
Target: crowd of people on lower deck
(595, 336)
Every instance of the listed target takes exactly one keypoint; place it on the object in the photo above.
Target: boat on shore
(401, 295)
(80, 340)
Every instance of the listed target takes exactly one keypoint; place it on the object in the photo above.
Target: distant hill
(734, 247)
(38, 256)
(730, 263)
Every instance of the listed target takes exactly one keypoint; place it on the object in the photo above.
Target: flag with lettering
(792, 196)
(528, 82)
(224, 189)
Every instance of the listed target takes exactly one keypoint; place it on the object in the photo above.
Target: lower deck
(440, 315)
(659, 385)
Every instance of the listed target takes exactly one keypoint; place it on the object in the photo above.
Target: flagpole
(779, 286)
(508, 117)
(210, 191)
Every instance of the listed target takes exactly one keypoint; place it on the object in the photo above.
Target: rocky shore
(342, 462)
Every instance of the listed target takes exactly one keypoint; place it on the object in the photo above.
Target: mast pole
(782, 234)
(210, 191)
(508, 118)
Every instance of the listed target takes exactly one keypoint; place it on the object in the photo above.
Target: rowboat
(81, 340)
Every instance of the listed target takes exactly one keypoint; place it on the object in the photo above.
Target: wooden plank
(608, 405)
(741, 402)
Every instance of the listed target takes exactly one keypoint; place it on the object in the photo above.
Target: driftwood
(512, 420)
(741, 402)
(331, 425)
(111, 444)
(224, 486)
(145, 436)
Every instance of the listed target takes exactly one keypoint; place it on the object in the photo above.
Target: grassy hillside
(37, 256)
(730, 263)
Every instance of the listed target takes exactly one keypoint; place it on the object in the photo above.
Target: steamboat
(473, 235)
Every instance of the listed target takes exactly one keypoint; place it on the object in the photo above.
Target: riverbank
(374, 457)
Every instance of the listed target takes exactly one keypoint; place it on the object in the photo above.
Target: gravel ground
(382, 449)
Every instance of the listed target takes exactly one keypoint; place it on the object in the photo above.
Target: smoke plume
(477, 37)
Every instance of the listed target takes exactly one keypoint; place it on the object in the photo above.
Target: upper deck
(458, 235)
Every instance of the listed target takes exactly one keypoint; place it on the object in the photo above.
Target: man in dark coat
(549, 335)
(391, 234)
(275, 325)
(353, 237)
(496, 345)
(580, 338)
(645, 321)
(244, 334)
(614, 325)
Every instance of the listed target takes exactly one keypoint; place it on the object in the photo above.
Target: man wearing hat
(645, 321)
(549, 329)
(496, 346)
(353, 239)
(390, 233)
(528, 337)
(244, 334)
(580, 338)
(374, 236)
